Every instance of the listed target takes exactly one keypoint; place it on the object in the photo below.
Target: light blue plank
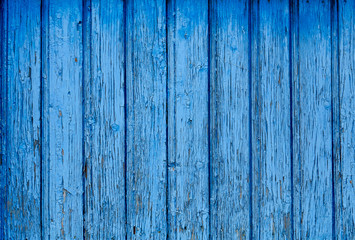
(313, 202)
(146, 119)
(230, 206)
(345, 165)
(271, 121)
(104, 120)
(188, 120)
(62, 120)
(23, 219)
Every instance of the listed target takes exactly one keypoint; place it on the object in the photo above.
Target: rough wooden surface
(104, 120)
(345, 164)
(146, 120)
(172, 119)
(230, 120)
(188, 120)
(313, 202)
(271, 130)
(62, 169)
(23, 128)
(3, 108)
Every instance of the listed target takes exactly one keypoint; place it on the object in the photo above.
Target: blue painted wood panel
(229, 113)
(188, 120)
(23, 126)
(104, 120)
(271, 128)
(313, 93)
(146, 76)
(3, 108)
(173, 119)
(345, 161)
(62, 119)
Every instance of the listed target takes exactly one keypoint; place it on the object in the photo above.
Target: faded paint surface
(345, 103)
(62, 109)
(313, 106)
(104, 120)
(177, 119)
(188, 120)
(229, 113)
(271, 134)
(146, 70)
(21, 126)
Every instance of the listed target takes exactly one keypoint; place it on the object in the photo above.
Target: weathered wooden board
(188, 120)
(229, 113)
(104, 121)
(62, 142)
(271, 132)
(23, 128)
(345, 164)
(146, 120)
(172, 119)
(313, 196)
(3, 125)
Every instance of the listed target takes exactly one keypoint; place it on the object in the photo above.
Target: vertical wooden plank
(146, 119)
(313, 202)
(62, 120)
(345, 165)
(271, 121)
(3, 168)
(295, 101)
(104, 121)
(188, 120)
(22, 103)
(230, 120)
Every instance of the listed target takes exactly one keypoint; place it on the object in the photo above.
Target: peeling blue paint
(219, 119)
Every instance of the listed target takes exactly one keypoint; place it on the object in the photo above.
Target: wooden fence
(153, 119)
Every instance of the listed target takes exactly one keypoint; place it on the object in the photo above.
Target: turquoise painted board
(172, 119)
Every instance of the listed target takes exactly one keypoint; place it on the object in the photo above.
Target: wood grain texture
(313, 127)
(345, 165)
(271, 121)
(3, 132)
(177, 119)
(188, 120)
(229, 56)
(146, 116)
(22, 103)
(62, 120)
(104, 121)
